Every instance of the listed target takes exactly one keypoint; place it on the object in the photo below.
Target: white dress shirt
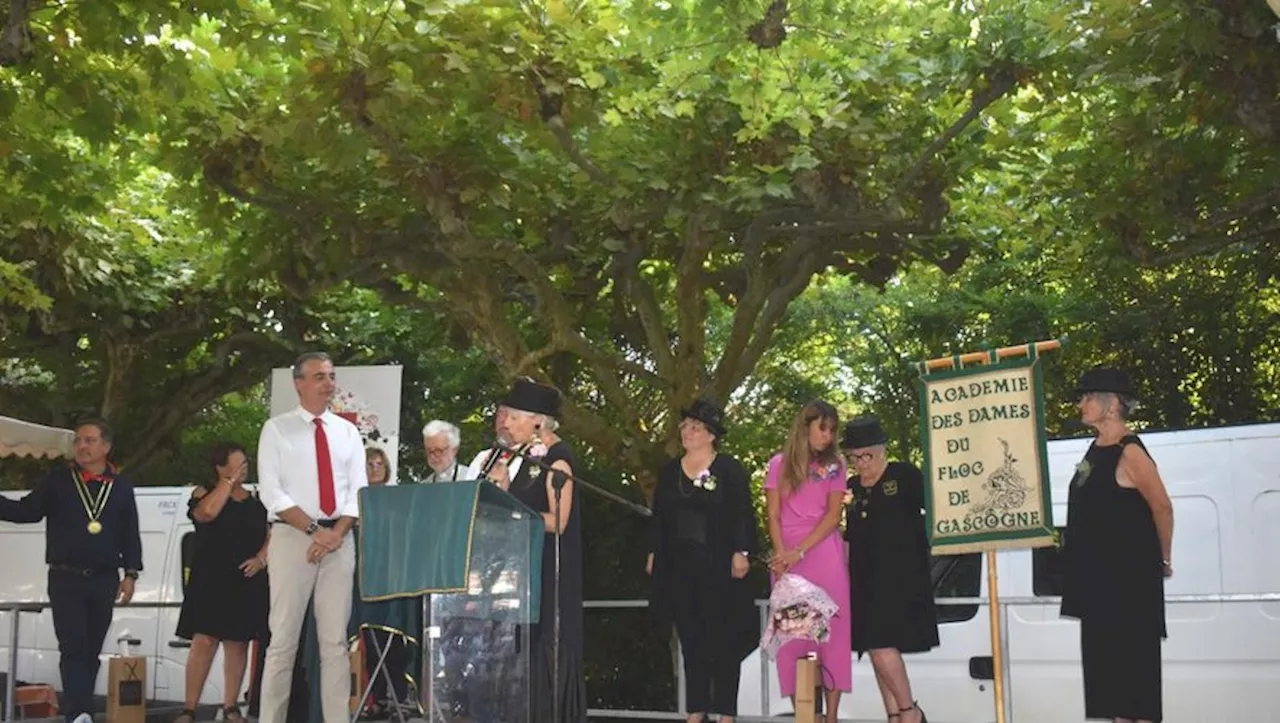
(454, 473)
(477, 464)
(287, 472)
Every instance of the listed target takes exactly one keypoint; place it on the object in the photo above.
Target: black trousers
(82, 605)
(711, 673)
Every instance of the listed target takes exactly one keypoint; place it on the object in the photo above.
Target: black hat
(863, 432)
(709, 413)
(1103, 379)
(527, 395)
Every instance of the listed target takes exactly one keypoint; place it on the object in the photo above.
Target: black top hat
(527, 395)
(709, 413)
(1104, 379)
(863, 432)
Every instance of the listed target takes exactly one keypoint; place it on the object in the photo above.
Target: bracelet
(801, 551)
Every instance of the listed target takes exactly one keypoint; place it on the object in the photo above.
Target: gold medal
(92, 507)
(864, 514)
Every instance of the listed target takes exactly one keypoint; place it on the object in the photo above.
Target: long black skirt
(1122, 676)
(543, 689)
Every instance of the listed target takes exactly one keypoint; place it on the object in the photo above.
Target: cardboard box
(127, 689)
(808, 686)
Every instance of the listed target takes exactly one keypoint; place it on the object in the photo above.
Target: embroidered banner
(985, 458)
(368, 397)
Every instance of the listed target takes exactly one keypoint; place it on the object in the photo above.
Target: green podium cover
(470, 538)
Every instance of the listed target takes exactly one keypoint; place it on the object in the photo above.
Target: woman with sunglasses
(891, 590)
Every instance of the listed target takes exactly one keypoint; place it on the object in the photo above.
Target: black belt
(323, 523)
(83, 571)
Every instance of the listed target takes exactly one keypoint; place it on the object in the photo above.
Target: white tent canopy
(25, 439)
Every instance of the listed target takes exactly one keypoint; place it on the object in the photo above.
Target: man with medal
(91, 534)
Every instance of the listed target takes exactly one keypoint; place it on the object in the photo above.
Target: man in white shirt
(311, 467)
(441, 441)
(486, 460)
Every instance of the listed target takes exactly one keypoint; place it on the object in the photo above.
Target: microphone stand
(578, 480)
(558, 479)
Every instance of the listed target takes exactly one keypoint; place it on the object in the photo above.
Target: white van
(162, 516)
(1221, 660)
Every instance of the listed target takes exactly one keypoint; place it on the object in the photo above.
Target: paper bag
(127, 689)
(808, 682)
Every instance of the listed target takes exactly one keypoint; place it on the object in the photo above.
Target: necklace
(686, 490)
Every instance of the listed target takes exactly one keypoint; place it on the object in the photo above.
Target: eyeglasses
(433, 451)
(864, 457)
(375, 463)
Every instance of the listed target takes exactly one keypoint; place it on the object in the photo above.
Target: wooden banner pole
(982, 357)
(997, 651)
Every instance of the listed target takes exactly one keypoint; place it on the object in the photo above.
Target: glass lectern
(476, 552)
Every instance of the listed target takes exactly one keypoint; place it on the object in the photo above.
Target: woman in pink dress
(805, 491)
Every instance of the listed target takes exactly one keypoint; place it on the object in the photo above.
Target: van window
(1046, 568)
(957, 576)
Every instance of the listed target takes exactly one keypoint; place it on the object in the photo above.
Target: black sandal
(915, 705)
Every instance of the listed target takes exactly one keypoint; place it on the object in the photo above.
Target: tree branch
(691, 310)
(806, 262)
(1000, 81)
(15, 38)
(550, 108)
(648, 311)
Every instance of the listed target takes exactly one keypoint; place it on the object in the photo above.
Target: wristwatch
(131, 574)
(312, 527)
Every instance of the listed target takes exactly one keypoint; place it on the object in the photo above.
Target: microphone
(498, 453)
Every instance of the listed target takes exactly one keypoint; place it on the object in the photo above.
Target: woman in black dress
(531, 413)
(226, 597)
(1116, 554)
(704, 530)
(892, 593)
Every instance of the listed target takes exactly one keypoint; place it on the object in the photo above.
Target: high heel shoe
(915, 705)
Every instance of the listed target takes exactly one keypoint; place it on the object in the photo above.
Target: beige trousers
(293, 580)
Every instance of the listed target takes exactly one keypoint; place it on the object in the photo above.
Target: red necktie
(324, 465)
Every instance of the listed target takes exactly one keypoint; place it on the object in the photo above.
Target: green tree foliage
(623, 199)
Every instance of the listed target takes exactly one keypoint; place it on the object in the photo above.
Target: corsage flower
(705, 480)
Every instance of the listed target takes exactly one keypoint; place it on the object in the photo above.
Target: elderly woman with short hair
(891, 589)
(1117, 550)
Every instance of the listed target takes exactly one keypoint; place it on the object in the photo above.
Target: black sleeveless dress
(1113, 582)
(531, 489)
(219, 600)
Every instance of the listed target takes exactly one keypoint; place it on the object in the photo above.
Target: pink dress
(824, 565)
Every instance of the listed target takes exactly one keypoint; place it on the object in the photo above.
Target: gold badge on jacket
(891, 488)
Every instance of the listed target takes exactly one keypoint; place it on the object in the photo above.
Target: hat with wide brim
(863, 432)
(709, 413)
(1106, 379)
(527, 395)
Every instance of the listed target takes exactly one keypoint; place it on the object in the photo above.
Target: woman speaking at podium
(531, 413)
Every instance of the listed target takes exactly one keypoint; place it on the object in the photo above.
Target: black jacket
(67, 538)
